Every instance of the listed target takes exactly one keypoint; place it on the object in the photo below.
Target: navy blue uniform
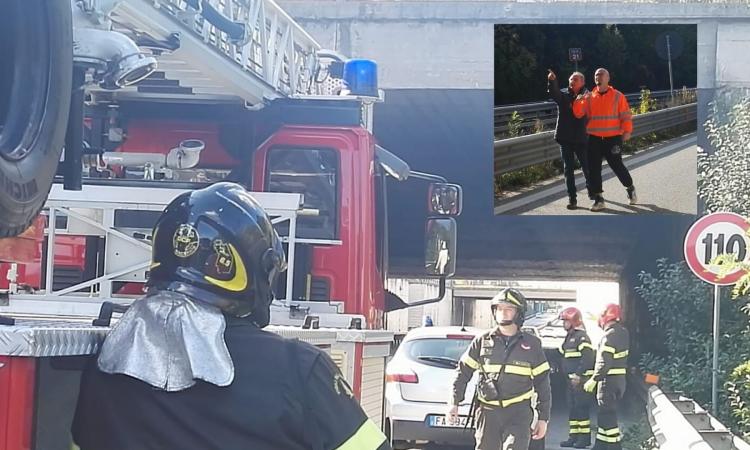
(286, 394)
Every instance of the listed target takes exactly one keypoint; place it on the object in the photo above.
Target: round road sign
(713, 235)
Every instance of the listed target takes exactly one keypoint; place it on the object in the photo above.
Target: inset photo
(595, 119)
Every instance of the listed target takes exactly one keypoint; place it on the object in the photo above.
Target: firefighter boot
(571, 442)
(583, 441)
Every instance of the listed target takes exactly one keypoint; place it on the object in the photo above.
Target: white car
(419, 380)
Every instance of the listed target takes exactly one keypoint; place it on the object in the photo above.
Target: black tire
(36, 69)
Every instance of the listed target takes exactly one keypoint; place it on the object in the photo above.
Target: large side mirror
(445, 199)
(440, 246)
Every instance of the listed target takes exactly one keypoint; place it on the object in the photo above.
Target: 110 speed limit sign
(713, 235)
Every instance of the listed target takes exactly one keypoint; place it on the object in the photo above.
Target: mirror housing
(440, 246)
(445, 199)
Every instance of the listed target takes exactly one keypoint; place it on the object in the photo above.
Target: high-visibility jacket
(577, 353)
(612, 355)
(526, 371)
(608, 113)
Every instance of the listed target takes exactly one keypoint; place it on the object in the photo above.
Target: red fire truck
(241, 93)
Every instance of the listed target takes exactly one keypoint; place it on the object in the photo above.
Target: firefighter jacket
(612, 355)
(608, 113)
(286, 394)
(524, 373)
(577, 353)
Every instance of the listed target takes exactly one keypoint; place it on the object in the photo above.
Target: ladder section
(271, 57)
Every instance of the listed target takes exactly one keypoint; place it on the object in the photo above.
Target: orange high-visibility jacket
(608, 113)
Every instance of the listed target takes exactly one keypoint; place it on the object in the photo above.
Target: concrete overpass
(436, 64)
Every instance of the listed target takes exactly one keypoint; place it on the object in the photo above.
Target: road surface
(665, 178)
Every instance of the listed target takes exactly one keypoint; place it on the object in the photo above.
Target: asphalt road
(665, 178)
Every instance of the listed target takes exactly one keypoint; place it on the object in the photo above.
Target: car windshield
(437, 351)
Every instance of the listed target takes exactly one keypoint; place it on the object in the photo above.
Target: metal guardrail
(546, 112)
(678, 423)
(524, 151)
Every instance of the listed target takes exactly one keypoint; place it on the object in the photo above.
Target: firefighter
(610, 123)
(512, 368)
(609, 377)
(189, 366)
(577, 362)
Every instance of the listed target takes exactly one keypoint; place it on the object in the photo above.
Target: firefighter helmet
(611, 312)
(572, 315)
(511, 297)
(217, 245)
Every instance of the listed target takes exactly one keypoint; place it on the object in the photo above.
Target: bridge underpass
(436, 66)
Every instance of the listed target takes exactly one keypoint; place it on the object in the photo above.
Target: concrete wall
(403, 320)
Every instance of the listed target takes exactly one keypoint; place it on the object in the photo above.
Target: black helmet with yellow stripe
(512, 297)
(217, 245)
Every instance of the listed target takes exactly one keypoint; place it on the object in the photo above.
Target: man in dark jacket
(570, 131)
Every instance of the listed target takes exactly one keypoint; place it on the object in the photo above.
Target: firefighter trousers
(579, 419)
(609, 148)
(504, 428)
(608, 435)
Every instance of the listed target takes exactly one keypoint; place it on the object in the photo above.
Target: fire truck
(169, 96)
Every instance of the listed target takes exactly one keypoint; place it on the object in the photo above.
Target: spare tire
(36, 69)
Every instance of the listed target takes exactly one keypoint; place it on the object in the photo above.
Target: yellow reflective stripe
(588, 372)
(469, 361)
(518, 399)
(620, 355)
(572, 354)
(608, 439)
(368, 436)
(585, 345)
(518, 370)
(561, 350)
(512, 298)
(609, 432)
(617, 372)
(492, 368)
(574, 422)
(540, 369)
(239, 281)
(508, 402)
(606, 348)
(580, 430)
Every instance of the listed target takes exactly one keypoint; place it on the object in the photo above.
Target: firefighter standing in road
(578, 364)
(513, 368)
(189, 367)
(570, 131)
(609, 376)
(610, 123)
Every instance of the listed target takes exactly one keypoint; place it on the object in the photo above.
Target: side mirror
(440, 247)
(445, 199)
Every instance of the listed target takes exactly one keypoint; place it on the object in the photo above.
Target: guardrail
(678, 423)
(524, 151)
(546, 112)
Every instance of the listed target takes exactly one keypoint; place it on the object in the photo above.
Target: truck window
(313, 173)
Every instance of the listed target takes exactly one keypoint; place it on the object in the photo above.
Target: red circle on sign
(691, 242)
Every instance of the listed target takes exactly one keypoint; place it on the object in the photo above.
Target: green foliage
(638, 436)
(526, 177)
(681, 310)
(723, 183)
(514, 124)
(738, 393)
(523, 53)
(646, 104)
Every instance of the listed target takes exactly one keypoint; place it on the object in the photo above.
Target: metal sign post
(715, 366)
(711, 236)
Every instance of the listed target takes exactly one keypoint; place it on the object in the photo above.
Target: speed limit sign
(713, 235)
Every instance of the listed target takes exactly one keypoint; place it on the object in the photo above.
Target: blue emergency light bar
(361, 77)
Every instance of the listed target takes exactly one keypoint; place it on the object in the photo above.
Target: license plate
(440, 421)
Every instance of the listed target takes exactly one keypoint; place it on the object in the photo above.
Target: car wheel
(35, 88)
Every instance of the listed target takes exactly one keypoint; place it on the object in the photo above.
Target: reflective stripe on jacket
(608, 113)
